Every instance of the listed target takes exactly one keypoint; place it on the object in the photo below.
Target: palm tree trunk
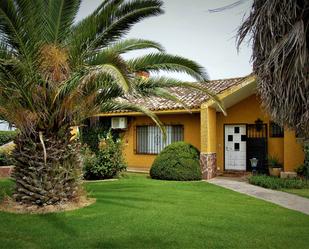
(47, 171)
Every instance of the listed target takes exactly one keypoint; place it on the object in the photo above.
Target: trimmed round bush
(178, 161)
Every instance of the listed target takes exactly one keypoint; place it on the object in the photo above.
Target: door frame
(224, 145)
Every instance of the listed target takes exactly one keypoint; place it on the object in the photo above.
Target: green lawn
(136, 212)
(301, 192)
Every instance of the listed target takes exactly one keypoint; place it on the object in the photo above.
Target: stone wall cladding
(208, 162)
(6, 171)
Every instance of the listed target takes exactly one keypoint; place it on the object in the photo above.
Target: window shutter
(150, 139)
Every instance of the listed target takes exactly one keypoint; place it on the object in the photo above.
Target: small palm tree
(54, 74)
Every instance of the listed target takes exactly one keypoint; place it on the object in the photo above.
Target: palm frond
(88, 29)
(279, 32)
(126, 16)
(111, 21)
(111, 64)
(60, 17)
(10, 26)
(128, 45)
(157, 62)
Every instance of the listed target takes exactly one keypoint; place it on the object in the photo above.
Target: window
(150, 138)
(236, 130)
(236, 146)
(275, 130)
(230, 138)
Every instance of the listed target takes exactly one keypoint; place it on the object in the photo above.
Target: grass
(5, 188)
(300, 192)
(137, 212)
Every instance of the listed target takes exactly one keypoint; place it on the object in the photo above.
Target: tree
(279, 30)
(54, 74)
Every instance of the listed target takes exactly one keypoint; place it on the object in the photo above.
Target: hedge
(7, 136)
(178, 161)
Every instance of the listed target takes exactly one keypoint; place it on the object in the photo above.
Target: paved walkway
(283, 199)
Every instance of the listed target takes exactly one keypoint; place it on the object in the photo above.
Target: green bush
(273, 162)
(107, 162)
(7, 136)
(90, 135)
(5, 159)
(178, 161)
(301, 170)
(277, 183)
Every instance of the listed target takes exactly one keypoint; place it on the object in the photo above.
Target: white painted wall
(4, 126)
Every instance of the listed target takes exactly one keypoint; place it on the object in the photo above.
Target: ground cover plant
(278, 183)
(138, 212)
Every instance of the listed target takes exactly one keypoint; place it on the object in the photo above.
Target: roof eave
(157, 112)
(235, 93)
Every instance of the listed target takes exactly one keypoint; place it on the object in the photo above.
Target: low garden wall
(6, 171)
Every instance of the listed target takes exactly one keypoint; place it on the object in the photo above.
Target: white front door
(235, 147)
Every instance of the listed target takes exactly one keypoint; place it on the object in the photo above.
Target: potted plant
(274, 166)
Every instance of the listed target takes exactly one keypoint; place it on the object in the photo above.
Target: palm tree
(55, 73)
(279, 30)
(280, 34)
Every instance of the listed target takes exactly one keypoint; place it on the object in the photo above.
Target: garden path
(283, 199)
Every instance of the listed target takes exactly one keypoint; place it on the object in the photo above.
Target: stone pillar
(208, 162)
(208, 156)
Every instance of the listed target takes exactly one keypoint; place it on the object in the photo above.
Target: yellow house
(227, 143)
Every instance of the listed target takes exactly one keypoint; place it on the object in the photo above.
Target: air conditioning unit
(119, 123)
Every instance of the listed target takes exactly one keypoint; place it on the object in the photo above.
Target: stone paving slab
(283, 199)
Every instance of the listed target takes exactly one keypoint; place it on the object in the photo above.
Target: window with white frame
(150, 140)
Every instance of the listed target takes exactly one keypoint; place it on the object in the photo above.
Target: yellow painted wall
(246, 112)
(293, 151)
(208, 129)
(191, 123)
(206, 132)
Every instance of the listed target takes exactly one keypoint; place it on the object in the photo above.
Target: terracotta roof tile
(192, 98)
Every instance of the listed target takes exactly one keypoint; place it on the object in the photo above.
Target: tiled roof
(192, 98)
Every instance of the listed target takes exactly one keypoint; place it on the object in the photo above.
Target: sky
(188, 29)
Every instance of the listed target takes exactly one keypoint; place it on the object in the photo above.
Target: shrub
(301, 170)
(7, 136)
(91, 134)
(277, 183)
(273, 162)
(5, 159)
(88, 158)
(107, 162)
(178, 161)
